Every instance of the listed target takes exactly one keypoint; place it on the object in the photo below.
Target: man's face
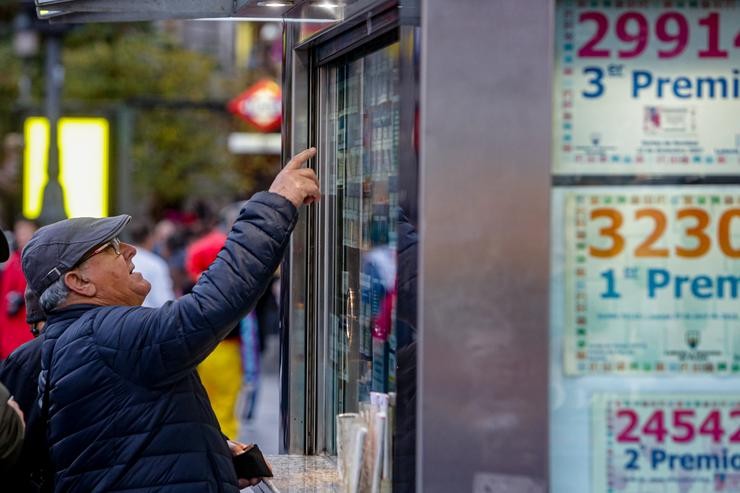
(114, 278)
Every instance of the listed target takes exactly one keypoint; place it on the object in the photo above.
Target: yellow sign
(83, 165)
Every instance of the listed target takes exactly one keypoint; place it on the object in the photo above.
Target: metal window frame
(304, 292)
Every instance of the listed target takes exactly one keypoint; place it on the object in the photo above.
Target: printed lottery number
(672, 30)
(613, 220)
(683, 427)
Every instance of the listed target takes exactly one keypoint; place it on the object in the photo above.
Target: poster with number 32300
(652, 280)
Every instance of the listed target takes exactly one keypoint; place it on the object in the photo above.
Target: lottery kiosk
(529, 240)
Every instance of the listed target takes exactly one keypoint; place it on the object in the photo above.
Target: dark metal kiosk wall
(484, 185)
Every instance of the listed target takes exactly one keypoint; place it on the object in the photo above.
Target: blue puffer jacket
(127, 410)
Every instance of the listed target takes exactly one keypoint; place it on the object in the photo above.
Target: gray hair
(54, 295)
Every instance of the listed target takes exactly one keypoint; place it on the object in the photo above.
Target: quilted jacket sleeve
(158, 346)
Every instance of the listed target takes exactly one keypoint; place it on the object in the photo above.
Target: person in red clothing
(202, 252)
(13, 327)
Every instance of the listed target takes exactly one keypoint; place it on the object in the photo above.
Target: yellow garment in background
(221, 374)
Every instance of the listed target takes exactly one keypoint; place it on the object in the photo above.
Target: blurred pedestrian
(163, 230)
(150, 265)
(268, 311)
(249, 331)
(11, 417)
(176, 245)
(10, 166)
(124, 406)
(13, 328)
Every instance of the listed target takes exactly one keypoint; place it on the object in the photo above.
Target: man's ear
(79, 284)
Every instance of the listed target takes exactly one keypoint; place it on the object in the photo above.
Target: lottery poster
(652, 279)
(682, 443)
(647, 87)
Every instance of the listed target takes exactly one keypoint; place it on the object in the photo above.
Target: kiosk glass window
(358, 126)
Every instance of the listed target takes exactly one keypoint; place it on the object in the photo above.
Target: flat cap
(57, 248)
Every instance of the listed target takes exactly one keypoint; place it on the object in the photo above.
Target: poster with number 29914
(647, 87)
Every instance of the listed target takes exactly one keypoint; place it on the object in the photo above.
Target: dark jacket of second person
(20, 373)
(127, 410)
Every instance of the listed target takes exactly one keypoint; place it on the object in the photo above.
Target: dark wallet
(251, 464)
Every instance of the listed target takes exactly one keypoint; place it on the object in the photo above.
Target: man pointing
(126, 410)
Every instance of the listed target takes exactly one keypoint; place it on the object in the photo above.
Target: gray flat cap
(55, 249)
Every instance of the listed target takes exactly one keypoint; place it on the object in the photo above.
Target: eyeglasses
(115, 243)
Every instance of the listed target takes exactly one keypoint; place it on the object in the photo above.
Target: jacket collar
(68, 314)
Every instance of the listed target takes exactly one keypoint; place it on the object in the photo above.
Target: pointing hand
(296, 183)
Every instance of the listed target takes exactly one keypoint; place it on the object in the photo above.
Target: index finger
(301, 158)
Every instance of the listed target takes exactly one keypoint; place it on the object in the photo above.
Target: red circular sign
(260, 105)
